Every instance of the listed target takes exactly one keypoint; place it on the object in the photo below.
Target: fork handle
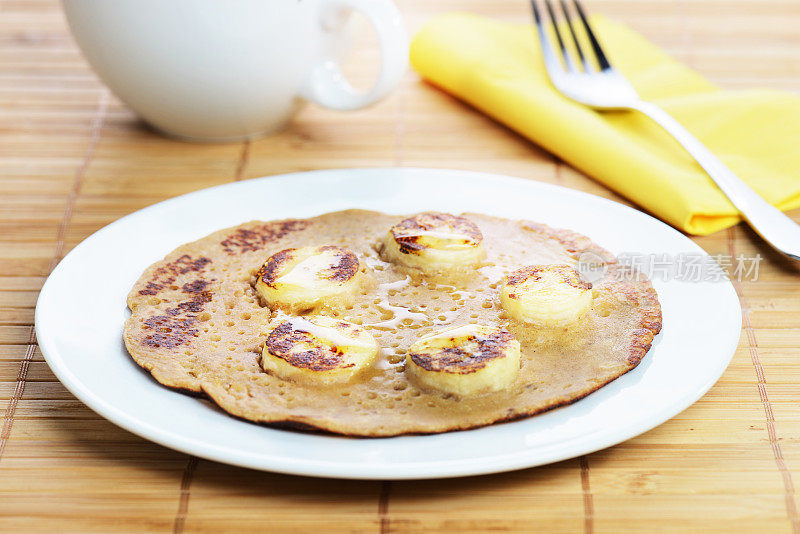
(776, 228)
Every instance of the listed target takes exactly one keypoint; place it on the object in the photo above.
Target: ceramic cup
(224, 70)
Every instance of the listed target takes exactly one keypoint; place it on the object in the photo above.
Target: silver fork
(604, 88)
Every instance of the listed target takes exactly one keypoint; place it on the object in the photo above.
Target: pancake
(198, 324)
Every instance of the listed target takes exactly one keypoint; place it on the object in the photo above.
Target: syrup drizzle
(399, 313)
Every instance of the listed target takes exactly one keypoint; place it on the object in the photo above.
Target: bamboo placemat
(73, 159)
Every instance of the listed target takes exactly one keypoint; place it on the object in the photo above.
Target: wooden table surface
(73, 159)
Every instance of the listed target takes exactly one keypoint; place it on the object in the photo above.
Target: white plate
(81, 310)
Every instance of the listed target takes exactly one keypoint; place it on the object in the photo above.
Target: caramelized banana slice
(546, 295)
(434, 241)
(319, 350)
(302, 278)
(465, 360)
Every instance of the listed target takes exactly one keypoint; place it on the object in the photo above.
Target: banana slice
(465, 360)
(434, 241)
(546, 295)
(297, 279)
(320, 350)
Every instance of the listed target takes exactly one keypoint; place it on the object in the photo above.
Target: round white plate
(81, 310)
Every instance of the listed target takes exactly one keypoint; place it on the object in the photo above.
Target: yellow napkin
(497, 68)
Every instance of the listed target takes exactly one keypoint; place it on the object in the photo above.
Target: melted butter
(459, 300)
(383, 361)
(371, 261)
(451, 235)
(493, 272)
(399, 313)
(458, 332)
(397, 286)
(327, 334)
(444, 239)
(306, 273)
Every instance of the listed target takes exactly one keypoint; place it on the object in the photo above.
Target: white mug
(224, 70)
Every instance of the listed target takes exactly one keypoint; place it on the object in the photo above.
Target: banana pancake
(367, 324)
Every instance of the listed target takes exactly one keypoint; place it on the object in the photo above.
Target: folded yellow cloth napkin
(497, 67)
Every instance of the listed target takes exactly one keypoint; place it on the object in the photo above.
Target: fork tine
(584, 61)
(598, 51)
(551, 62)
(564, 52)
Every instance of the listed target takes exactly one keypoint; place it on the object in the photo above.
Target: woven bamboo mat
(73, 159)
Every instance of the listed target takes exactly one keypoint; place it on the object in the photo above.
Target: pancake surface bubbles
(198, 323)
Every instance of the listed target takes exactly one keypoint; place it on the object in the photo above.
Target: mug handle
(327, 86)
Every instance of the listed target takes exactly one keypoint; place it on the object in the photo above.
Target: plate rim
(333, 469)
